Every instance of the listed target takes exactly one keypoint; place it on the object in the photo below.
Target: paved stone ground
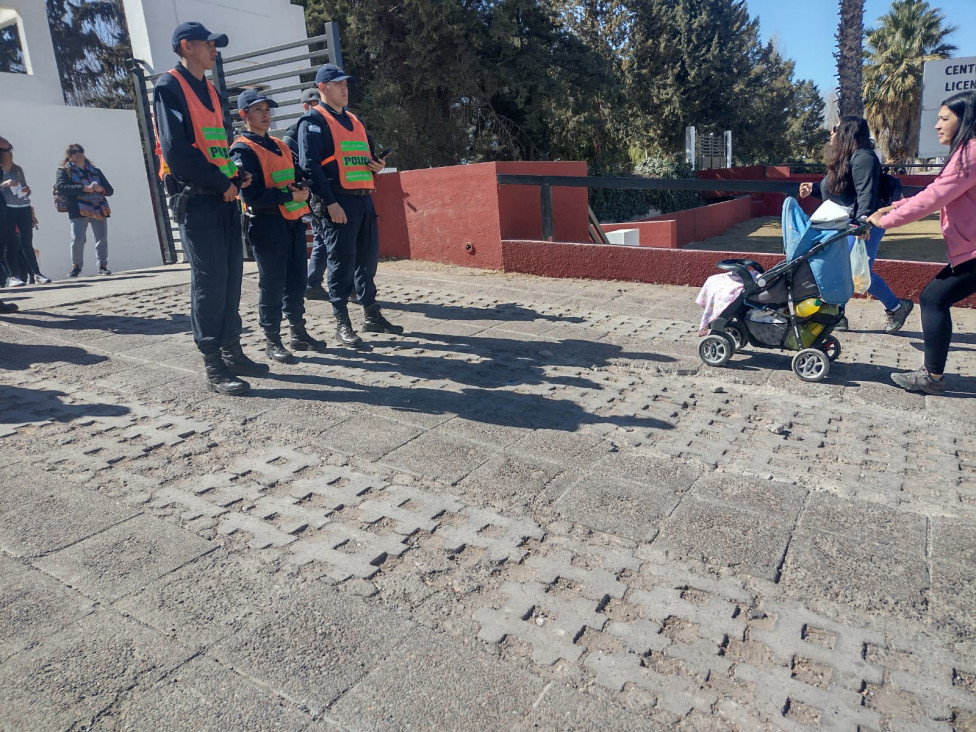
(536, 510)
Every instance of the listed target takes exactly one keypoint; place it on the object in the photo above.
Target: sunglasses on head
(75, 151)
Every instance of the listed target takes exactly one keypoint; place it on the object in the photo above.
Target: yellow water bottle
(806, 308)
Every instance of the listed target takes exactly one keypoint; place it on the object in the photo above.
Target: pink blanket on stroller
(718, 292)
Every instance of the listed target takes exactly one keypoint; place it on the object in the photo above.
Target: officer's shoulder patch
(314, 128)
(177, 114)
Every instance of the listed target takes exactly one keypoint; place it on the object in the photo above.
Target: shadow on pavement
(20, 356)
(23, 406)
(501, 312)
(127, 324)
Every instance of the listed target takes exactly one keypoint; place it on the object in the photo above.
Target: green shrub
(612, 205)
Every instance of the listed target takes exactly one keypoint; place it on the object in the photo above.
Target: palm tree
(909, 35)
(849, 57)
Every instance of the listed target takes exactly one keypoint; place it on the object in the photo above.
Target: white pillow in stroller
(830, 215)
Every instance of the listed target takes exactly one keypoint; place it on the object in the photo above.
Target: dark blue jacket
(257, 196)
(315, 144)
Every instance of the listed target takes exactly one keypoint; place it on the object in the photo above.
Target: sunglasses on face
(7, 149)
(835, 129)
(75, 152)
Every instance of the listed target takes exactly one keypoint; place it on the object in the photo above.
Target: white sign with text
(940, 80)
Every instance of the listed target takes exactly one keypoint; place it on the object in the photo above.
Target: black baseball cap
(250, 97)
(193, 31)
(311, 95)
(331, 72)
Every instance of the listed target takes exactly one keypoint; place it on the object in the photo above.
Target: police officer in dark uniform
(275, 204)
(336, 154)
(316, 262)
(196, 164)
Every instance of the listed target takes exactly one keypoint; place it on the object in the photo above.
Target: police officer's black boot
(239, 363)
(219, 377)
(344, 332)
(274, 348)
(374, 322)
(302, 341)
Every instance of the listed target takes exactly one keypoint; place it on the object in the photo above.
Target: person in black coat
(85, 189)
(852, 181)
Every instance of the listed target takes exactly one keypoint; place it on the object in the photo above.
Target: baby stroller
(795, 305)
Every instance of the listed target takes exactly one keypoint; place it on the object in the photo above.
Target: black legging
(949, 287)
(21, 260)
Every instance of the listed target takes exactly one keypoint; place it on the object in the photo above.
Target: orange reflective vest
(279, 172)
(210, 137)
(351, 151)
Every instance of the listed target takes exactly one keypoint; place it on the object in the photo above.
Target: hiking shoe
(8, 307)
(302, 341)
(276, 350)
(40, 279)
(104, 271)
(239, 364)
(220, 379)
(374, 322)
(15, 282)
(898, 316)
(344, 332)
(841, 324)
(75, 271)
(316, 293)
(919, 381)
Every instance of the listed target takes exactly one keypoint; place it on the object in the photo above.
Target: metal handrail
(324, 38)
(547, 182)
(272, 77)
(276, 62)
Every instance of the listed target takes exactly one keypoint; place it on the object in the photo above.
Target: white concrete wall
(40, 133)
(43, 83)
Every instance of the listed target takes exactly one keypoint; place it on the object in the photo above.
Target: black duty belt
(362, 192)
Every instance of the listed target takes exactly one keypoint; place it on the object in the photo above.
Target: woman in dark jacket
(85, 189)
(853, 175)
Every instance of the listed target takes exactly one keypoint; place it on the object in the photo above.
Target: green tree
(11, 51)
(911, 33)
(850, 33)
(91, 45)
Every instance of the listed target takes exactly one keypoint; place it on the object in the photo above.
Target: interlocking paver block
(169, 430)
(786, 640)
(716, 618)
(840, 709)
(549, 623)
(360, 556)
(195, 506)
(97, 454)
(290, 517)
(275, 465)
(478, 529)
(674, 694)
(424, 508)
(597, 583)
(336, 487)
(263, 534)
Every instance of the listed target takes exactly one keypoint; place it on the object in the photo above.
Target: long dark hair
(852, 135)
(67, 155)
(963, 105)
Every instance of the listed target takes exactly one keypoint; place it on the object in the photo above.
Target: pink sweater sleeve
(949, 185)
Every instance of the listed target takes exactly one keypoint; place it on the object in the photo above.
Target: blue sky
(805, 31)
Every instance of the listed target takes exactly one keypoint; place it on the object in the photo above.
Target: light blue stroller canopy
(831, 267)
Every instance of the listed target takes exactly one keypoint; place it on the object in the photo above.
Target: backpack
(60, 203)
(889, 188)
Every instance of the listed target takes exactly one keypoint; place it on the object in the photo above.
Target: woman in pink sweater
(954, 192)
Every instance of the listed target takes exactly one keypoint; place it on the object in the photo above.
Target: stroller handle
(771, 274)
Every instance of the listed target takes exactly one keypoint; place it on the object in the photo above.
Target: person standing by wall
(337, 156)
(852, 181)
(85, 188)
(197, 166)
(276, 203)
(20, 218)
(954, 193)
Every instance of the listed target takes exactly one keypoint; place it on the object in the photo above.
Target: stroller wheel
(831, 346)
(716, 349)
(737, 334)
(811, 364)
